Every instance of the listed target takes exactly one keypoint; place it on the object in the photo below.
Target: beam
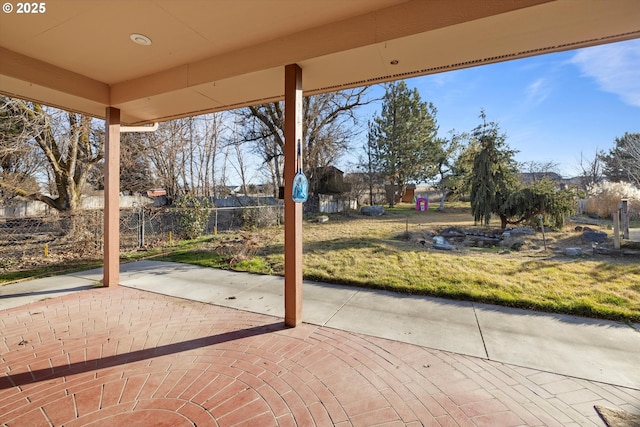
(292, 210)
(111, 251)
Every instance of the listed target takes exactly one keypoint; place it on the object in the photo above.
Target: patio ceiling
(214, 55)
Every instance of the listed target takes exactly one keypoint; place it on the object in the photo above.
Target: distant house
(395, 192)
(329, 180)
(329, 191)
(365, 186)
(159, 196)
(409, 193)
(531, 177)
(528, 178)
(156, 192)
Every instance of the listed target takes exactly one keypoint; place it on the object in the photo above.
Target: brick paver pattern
(119, 356)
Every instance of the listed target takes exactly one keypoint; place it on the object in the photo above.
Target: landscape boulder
(372, 210)
(573, 251)
(594, 236)
(453, 232)
(441, 243)
(521, 232)
(512, 241)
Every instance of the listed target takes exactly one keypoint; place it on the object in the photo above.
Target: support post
(292, 210)
(111, 250)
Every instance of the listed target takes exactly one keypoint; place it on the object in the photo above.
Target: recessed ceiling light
(140, 39)
(394, 62)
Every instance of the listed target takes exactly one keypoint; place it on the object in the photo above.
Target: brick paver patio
(124, 357)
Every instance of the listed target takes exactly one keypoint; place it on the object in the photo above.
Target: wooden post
(544, 237)
(625, 219)
(616, 230)
(292, 210)
(111, 255)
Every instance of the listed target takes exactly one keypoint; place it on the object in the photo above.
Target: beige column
(111, 248)
(292, 210)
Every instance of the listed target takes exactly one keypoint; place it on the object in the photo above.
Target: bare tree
(329, 123)
(447, 151)
(164, 149)
(69, 144)
(539, 170)
(136, 175)
(239, 163)
(213, 129)
(371, 176)
(183, 153)
(20, 160)
(240, 167)
(591, 170)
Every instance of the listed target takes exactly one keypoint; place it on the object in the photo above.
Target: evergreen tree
(403, 138)
(525, 204)
(622, 163)
(494, 175)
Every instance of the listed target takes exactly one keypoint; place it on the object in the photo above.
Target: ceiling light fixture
(140, 39)
(394, 62)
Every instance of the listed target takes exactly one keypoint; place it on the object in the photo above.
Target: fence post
(140, 226)
(97, 230)
(544, 237)
(625, 219)
(616, 230)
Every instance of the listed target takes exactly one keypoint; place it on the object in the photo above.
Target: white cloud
(615, 67)
(537, 91)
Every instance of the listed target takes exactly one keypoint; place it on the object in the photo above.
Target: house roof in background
(217, 55)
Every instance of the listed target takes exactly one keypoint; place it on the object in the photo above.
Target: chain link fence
(30, 241)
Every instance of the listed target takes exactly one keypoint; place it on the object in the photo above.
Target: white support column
(292, 210)
(111, 250)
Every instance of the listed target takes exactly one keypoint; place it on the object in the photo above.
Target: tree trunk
(442, 199)
(503, 222)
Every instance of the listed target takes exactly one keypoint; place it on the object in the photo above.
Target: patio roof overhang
(217, 55)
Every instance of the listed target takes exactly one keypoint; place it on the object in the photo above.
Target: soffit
(212, 55)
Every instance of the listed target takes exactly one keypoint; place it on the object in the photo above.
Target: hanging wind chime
(300, 190)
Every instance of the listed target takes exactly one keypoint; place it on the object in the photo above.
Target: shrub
(192, 214)
(260, 217)
(541, 198)
(604, 198)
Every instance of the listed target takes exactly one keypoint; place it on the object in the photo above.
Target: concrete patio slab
(22, 293)
(430, 322)
(244, 291)
(580, 347)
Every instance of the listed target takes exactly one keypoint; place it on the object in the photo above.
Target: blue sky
(553, 108)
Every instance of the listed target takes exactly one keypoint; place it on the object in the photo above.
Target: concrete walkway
(493, 365)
